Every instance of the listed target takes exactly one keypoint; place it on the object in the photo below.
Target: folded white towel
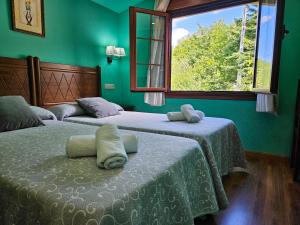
(187, 106)
(200, 114)
(81, 145)
(178, 116)
(130, 142)
(110, 148)
(190, 114)
(85, 145)
(175, 116)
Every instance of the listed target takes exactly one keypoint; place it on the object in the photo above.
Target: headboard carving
(17, 78)
(58, 83)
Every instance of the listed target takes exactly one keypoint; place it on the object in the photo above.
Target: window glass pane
(215, 51)
(143, 51)
(141, 76)
(158, 27)
(150, 50)
(157, 78)
(266, 39)
(153, 78)
(143, 25)
(158, 52)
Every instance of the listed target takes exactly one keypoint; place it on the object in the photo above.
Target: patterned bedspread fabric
(218, 137)
(167, 182)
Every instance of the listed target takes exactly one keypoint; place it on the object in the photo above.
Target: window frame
(133, 62)
(228, 95)
(187, 10)
(279, 35)
(222, 95)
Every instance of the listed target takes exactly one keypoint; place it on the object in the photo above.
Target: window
(149, 45)
(216, 50)
(269, 38)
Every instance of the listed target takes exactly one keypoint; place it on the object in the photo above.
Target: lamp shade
(110, 50)
(119, 52)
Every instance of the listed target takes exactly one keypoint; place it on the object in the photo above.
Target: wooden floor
(265, 196)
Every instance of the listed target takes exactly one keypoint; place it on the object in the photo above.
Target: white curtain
(266, 103)
(155, 77)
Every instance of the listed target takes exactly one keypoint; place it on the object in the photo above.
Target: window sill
(221, 95)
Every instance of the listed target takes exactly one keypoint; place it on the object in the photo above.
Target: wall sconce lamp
(113, 52)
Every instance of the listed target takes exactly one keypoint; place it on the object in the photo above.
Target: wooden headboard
(17, 78)
(58, 83)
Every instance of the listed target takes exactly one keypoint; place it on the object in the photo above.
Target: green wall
(259, 132)
(77, 33)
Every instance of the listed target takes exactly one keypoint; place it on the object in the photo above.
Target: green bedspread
(167, 182)
(218, 137)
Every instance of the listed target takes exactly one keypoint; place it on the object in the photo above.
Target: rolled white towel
(200, 114)
(187, 106)
(175, 116)
(178, 116)
(130, 143)
(110, 148)
(81, 146)
(190, 114)
(85, 145)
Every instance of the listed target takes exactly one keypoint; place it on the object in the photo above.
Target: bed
(169, 180)
(218, 137)
(163, 184)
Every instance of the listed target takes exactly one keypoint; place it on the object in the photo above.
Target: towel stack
(188, 113)
(108, 145)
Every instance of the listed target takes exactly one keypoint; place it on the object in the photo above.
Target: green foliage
(264, 71)
(209, 60)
